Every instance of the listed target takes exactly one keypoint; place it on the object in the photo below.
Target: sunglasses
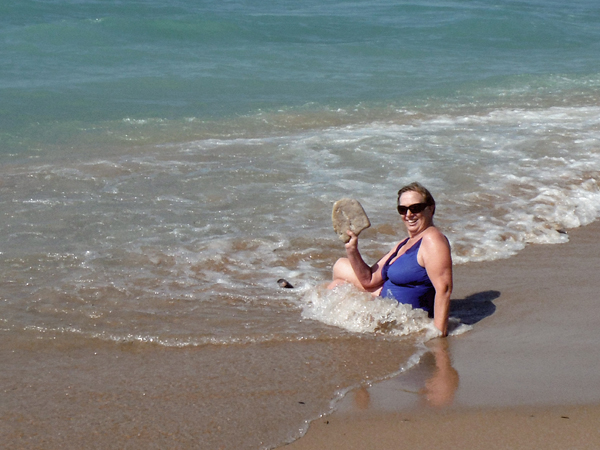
(415, 209)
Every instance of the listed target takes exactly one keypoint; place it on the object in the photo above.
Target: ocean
(163, 164)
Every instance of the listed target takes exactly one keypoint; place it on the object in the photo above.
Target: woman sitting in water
(418, 271)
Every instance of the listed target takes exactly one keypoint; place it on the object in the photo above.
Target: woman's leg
(344, 273)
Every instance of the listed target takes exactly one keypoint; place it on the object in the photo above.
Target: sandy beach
(525, 377)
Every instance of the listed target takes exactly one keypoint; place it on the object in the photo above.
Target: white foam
(220, 220)
(348, 308)
(359, 312)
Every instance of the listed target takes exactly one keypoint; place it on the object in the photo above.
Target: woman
(418, 271)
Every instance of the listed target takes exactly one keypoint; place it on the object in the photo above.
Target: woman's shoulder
(433, 237)
(435, 247)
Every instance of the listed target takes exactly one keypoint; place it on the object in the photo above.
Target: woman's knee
(342, 268)
(342, 273)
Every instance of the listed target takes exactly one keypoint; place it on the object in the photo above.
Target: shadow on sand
(475, 307)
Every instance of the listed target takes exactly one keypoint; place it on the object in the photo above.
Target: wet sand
(73, 393)
(525, 377)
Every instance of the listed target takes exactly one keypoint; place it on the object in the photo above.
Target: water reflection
(433, 380)
(440, 388)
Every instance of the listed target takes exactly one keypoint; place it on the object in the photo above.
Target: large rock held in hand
(348, 214)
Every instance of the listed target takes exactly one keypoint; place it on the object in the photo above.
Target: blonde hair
(418, 187)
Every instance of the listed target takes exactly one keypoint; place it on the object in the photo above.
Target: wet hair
(418, 187)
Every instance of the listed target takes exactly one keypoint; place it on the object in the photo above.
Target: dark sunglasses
(415, 209)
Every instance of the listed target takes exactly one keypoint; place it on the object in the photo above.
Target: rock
(284, 283)
(348, 214)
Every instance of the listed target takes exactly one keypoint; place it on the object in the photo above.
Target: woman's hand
(352, 244)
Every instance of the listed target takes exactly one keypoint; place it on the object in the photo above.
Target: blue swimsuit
(406, 281)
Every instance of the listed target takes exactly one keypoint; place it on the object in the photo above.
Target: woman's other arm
(437, 260)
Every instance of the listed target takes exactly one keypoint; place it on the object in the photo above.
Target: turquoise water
(162, 164)
(92, 62)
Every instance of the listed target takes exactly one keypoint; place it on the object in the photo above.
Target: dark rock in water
(348, 214)
(284, 283)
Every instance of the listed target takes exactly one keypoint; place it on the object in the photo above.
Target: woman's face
(415, 222)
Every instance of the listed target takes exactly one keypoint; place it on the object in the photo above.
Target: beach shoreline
(163, 164)
(527, 369)
(526, 374)
(528, 366)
